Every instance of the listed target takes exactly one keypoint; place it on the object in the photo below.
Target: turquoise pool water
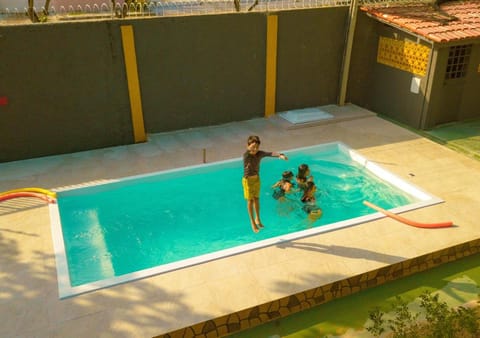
(139, 226)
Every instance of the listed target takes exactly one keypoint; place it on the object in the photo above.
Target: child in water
(284, 185)
(309, 201)
(303, 176)
(251, 178)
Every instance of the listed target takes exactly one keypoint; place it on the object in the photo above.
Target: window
(457, 64)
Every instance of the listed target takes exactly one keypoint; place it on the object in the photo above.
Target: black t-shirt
(251, 163)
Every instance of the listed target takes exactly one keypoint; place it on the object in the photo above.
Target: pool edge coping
(66, 290)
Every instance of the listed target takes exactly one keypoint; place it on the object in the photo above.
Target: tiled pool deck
(208, 300)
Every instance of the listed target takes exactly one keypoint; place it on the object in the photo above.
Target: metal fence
(133, 8)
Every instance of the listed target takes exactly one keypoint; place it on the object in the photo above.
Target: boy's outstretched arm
(280, 155)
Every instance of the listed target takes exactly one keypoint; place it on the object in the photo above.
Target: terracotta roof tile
(451, 21)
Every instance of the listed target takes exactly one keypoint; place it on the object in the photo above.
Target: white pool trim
(66, 290)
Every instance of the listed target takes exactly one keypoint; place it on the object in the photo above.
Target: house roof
(447, 22)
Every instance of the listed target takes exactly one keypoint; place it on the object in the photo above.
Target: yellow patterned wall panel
(404, 55)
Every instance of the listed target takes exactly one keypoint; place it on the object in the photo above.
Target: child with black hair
(284, 185)
(303, 176)
(309, 201)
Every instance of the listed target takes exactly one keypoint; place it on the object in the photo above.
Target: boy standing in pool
(251, 178)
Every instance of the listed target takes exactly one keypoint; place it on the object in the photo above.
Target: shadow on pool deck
(350, 252)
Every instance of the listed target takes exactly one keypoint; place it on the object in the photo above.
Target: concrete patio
(167, 303)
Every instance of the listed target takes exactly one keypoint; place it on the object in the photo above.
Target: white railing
(179, 8)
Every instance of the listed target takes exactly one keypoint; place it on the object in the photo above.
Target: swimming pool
(117, 231)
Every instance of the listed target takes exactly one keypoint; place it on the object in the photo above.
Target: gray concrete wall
(386, 90)
(67, 89)
(381, 88)
(205, 70)
(198, 71)
(363, 62)
(470, 103)
(454, 99)
(310, 51)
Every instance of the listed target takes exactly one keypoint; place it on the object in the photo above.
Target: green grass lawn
(463, 137)
(457, 282)
(460, 136)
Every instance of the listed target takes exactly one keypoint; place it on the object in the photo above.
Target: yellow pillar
(271, 65)
(130, 57)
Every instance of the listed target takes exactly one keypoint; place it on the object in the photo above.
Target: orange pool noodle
(9, 196)
(408, 221)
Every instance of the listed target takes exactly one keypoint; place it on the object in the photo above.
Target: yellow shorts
(251, 187)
